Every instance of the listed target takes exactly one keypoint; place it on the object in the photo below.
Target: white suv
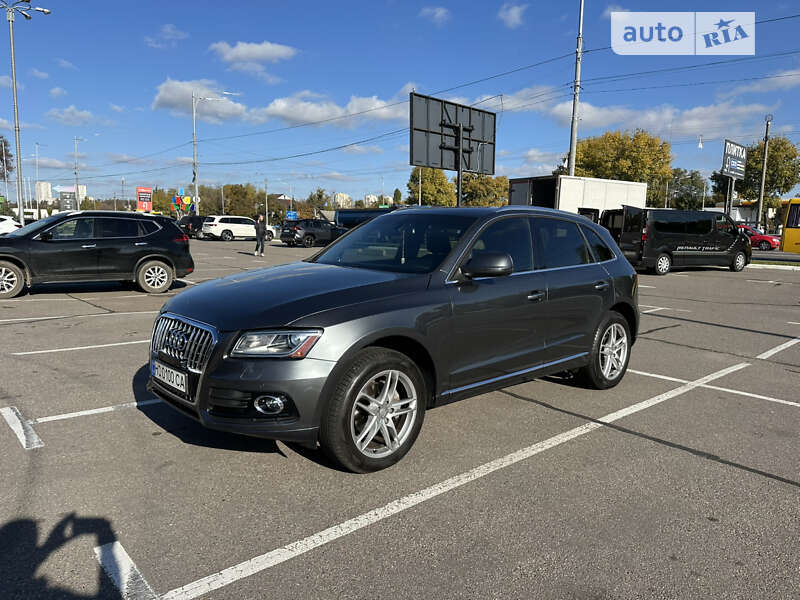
(8, 224)
(228, 228)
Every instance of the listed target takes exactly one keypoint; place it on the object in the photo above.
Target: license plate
(171, 377)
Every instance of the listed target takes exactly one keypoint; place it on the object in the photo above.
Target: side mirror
(45, 236)
(488, 264)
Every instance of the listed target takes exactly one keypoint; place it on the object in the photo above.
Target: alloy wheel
(739, 262)
(156, 276)
(383, 414)
(613, 351)
(8, 280)
(663, 264)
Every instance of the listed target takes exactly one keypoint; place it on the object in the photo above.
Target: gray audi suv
(411, 310)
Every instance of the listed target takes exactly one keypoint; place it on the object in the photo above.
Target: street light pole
(768, 120)
(77, 193)
(576, 90)
(194, 155)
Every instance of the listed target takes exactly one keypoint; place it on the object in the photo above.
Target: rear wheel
(764, 245)
(375, 412)
(663, 264)
(610, 353)
(270, 235)
(739, 262)
(12, 280)
(308, 240)
(227, 236)
(155, 277)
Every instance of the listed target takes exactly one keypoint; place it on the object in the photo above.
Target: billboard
(435, 132)
(67, 200)
(144, 199)
(734, 157)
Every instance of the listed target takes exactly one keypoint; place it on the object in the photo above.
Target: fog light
(269, 405)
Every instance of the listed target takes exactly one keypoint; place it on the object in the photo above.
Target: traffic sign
(291, 215)
(734, 158)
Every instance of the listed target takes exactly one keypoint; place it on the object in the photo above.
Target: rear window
(116, 228)
(599, 248)
(558, 244)
(147, 227)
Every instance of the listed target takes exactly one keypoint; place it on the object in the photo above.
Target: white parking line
(652, 310)
(768, 281)
(188, 281)
(652, 287)
(123, 572)
(93, 411)
(657, 308)
(280, 555)
(773, 351)
(793, 322)
(80, 299)
(86, 316)
(21, 428)
(717, 388)
(80, 348)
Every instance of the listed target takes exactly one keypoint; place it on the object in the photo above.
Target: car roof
(105, 213)
(483, 211)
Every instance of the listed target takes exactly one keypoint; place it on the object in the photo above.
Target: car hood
(277, 296)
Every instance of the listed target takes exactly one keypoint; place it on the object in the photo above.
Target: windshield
(33, 227)
(405, 243)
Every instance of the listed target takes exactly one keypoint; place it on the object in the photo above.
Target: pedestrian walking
(261, 233)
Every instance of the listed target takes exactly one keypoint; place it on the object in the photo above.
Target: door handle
(601, 285)
(536, 296)
(140, 244)
(89, 246)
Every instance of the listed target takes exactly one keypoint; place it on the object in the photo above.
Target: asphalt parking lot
(682, 482)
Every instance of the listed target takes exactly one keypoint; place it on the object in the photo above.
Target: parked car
(227, 228)
(192, 226)
(309, 232)
(411, 310)
(94, 246)
(8, 224)
(350, 217)
(759, 239)
(660, 238)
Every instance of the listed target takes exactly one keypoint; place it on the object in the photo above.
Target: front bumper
(222, 396)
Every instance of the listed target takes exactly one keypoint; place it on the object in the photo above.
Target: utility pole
(419, 201)
(77, 193)
(20, 208)
(266, 203)
(666, 196)
(768, 120)
(576, 90)
(460, 158)
(194, 155)
(36, 186)
(221, 195)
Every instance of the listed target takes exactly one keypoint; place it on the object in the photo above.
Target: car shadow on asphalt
(21, 556)
(95, 287)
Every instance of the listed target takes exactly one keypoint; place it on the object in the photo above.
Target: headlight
(286, 344)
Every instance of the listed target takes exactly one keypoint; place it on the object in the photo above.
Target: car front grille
(184, 341)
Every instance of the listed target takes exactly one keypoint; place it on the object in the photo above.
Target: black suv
(413, 309)
(94, 246)
(192, 226)
(309, 232)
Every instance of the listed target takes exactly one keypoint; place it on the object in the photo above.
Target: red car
(760, 240)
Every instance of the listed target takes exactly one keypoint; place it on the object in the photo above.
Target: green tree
(637, 156)
(783, 173)
(437, 190)
(484, 190)
(5, 170)
(686, 189)
(318, 199)
(398, 196)
(358, 203)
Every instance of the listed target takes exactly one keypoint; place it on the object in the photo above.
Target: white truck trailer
(586, 196)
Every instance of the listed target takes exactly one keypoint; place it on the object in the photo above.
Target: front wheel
(663, 264)
(739, 262)
(764, 245)
(227, 236)
(308, 241)
(375, 412)
(610, 353)
(270, 235)
(12, 280)
(154, 277)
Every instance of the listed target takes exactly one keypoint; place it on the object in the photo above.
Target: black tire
(290, 244)
(592, 375)
(663, 264)
(340, 419)
(227, 235)
(308, 240)
(12, 280)
(155, 277)
(764, 245)
(739, 262)
(270, 236)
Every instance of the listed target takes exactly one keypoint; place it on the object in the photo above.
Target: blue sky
(120, 75)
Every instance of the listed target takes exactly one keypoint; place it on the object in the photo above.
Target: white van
(228, 228)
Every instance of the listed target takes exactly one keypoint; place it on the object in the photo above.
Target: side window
(793, 218)
(116, 228)
(559, 244)
(250, 222)
(599, 248)
(512, 236)
(74, 229)
(724, 225)
(227, 220)
(147, 227)
(668, 222)
(701, 225)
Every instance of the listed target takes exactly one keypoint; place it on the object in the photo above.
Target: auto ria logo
(698, 33)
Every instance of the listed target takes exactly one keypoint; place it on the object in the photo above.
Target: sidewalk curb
(776, 267)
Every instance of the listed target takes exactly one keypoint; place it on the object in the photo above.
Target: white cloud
(167, 37)
(176, 96)
(57, 92)
(52, 163)
(39, 74)
(782, 80)
(184, 160)
(357, 149)
(6, 124)
(117, 107)
(127, 158)
(65, 64)
(256, 70)
(246, 57)
(5, 81)
(534, 155)
(613, 8)
(331, 175)
(439, 15)
(70, 115)
(511, 14)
